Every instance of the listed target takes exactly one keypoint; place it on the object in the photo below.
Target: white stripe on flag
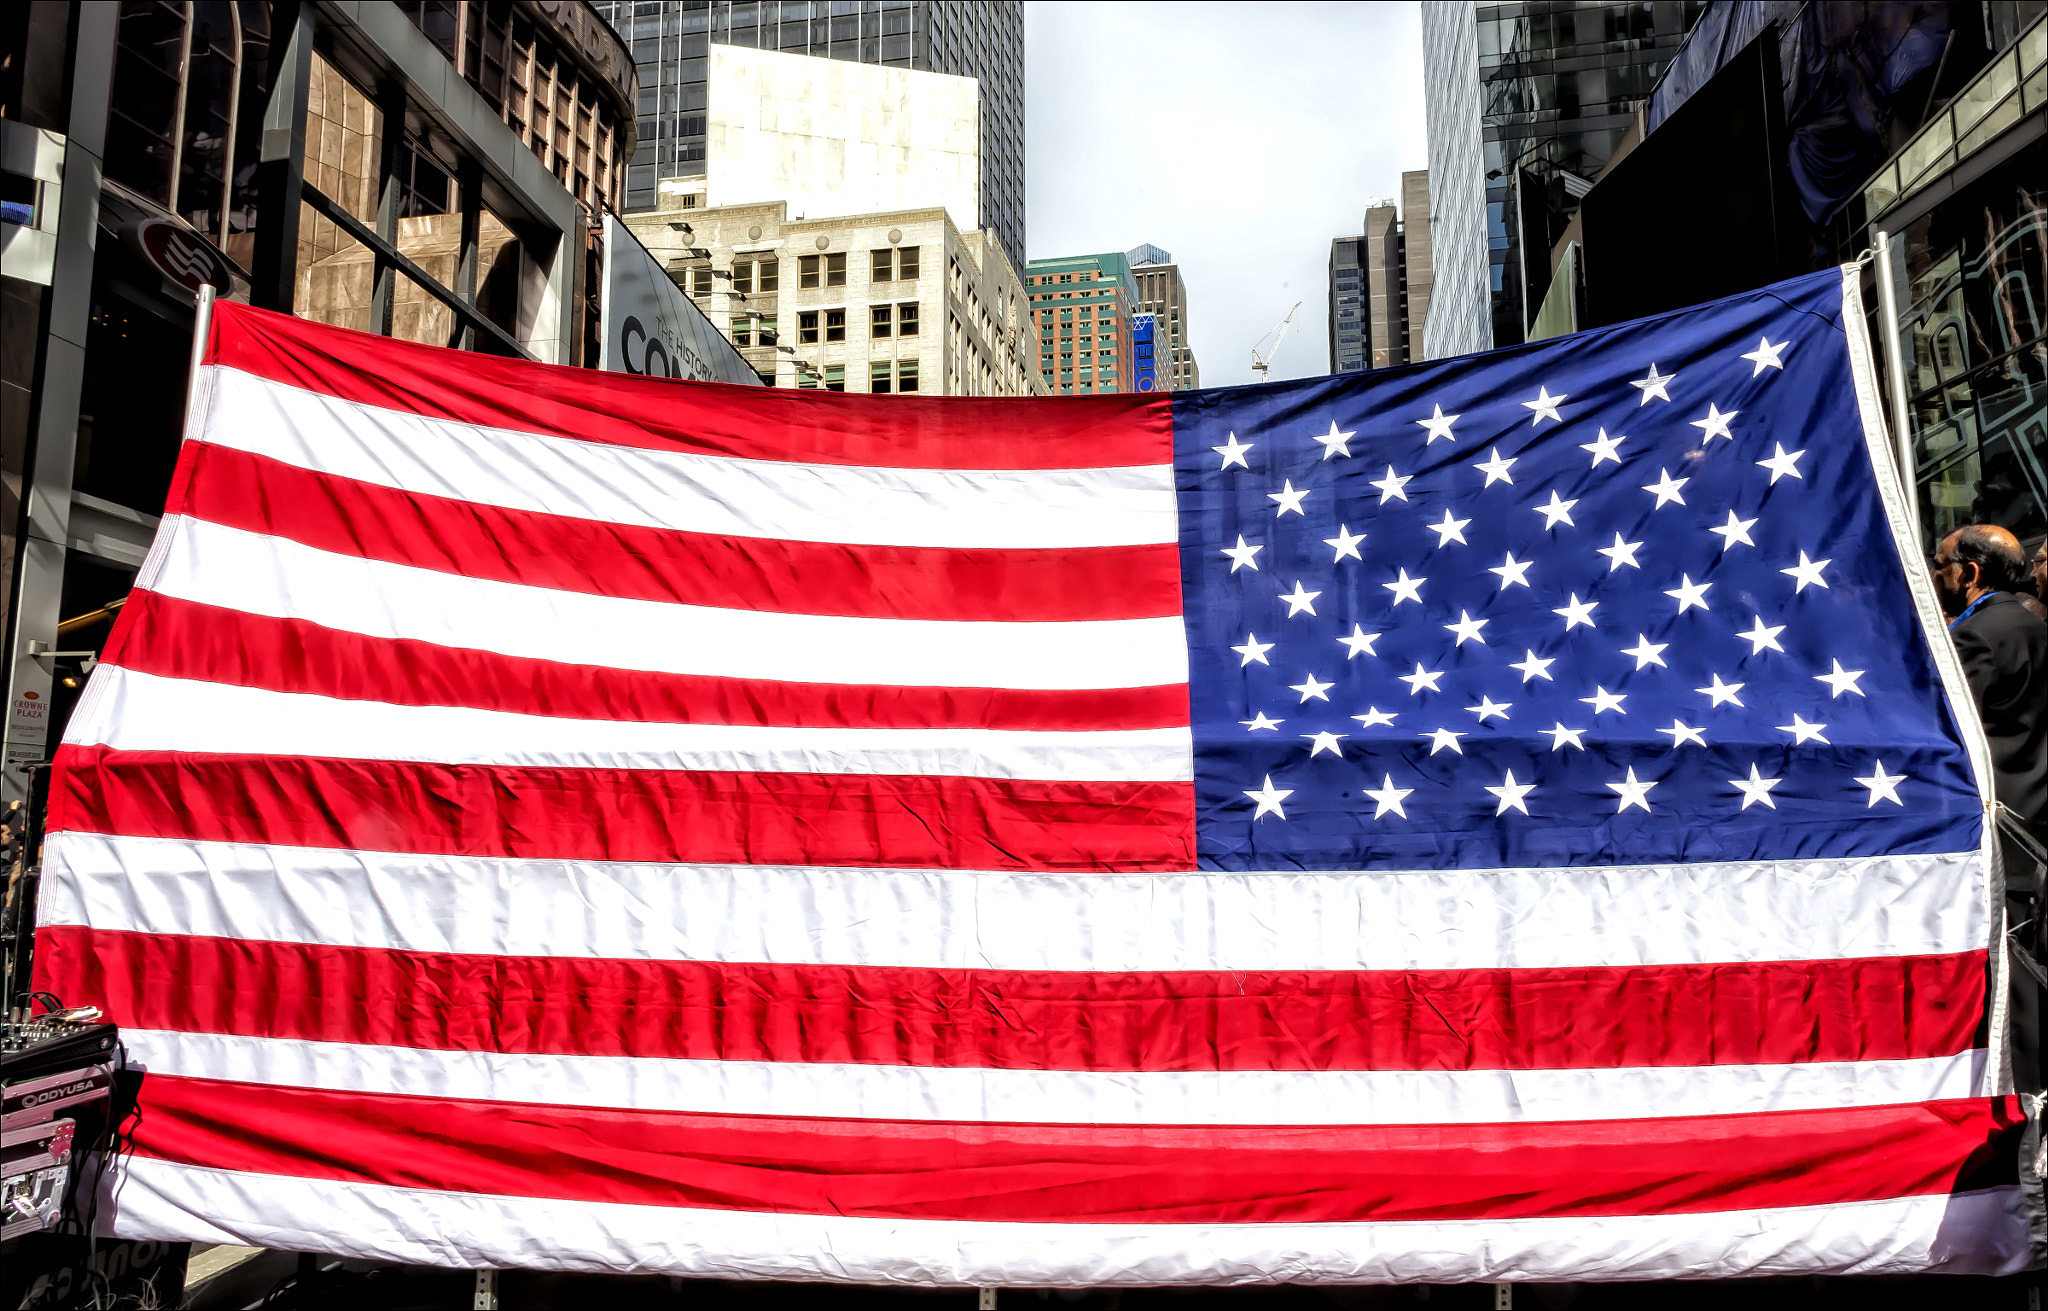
(1296, 920)
(693, 493)
(1969, 1233)
(133, 711)
(964, 1094)
(215, 565)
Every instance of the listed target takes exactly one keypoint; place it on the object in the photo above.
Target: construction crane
(1261, 364)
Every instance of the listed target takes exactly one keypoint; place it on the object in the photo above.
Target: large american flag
(1509, 818)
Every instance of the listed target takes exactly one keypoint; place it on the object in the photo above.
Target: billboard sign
(1144, 368)
(651, 327)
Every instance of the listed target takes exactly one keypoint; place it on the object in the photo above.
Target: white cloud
(1241, 137)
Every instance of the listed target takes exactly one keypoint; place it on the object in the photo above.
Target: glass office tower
(1559, 85)
(671, 41)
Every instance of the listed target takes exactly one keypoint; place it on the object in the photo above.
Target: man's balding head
(1975, 559)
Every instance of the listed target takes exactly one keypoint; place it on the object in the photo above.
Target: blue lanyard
(1970, 611)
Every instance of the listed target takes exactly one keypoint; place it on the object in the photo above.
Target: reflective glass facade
(1559, 85)
(1975, 332)
(1347, 305)
(671, 41)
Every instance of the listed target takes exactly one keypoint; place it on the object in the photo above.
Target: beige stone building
(893, 302)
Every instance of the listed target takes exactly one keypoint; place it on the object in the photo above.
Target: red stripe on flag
(1087, 1173)
(1766, 1013)
(165, 635)
(262, 495)
(756, 423)
(706, 816)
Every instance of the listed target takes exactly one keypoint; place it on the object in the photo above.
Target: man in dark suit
(2005, 656)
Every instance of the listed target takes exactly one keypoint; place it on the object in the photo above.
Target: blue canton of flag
(1622, 598)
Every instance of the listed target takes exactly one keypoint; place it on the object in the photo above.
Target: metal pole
(1895, 382)
(202, 328)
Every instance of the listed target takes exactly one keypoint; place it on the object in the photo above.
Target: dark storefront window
(141, 131)
(1977, 333)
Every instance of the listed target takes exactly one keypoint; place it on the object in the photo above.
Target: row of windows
(883, 376)
(890, 265)
(883, 321)
(813, 271)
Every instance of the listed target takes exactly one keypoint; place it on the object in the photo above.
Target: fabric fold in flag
(1340, 831)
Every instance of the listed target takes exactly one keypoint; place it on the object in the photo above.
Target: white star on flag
(1496, 469)
(1545, 406)
(1242, 556)
(1756, 789)
(1723, 693)
(1689, 594)
(1654, 385)
(1806, 572)
(1840, 680)
(1260, 721)
(1760, 637)
(1321, 742)
(1253, 649)
(1467, 628)
(1232, 452)
(1300, 600)
(1765, 356)
(1391, 487)
(1783, 464)
(1512, 572)
(1374, 716)
(1269, 799)
(1715, 424)
(1603, 700)
(1802, 731)
(1646, 652)
(1405, 588)
(1561, 737)
(1290, 500)
(1439, 425)
(1883, 786)
(1682, 733)
(1360, 642)
(1346, 543)
(1559, 511)
(1621, 553)
(1335, 443)
(1443, 739)
(1310, 688)
(1450, 530)
(1633, 791)
(1535, 666)
(1735, 530)
(1511, 794)
(1665, 489)
(1606, 448)
(1577, 612)
(1389, 798)
(1488, 708)
(1421, 680)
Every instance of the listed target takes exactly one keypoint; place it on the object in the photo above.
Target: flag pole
(202, 326)
(1895, 382)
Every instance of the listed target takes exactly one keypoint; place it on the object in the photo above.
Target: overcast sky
(1241, 137)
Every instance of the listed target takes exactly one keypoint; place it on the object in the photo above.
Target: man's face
(2040, 571)
(1950, 578)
